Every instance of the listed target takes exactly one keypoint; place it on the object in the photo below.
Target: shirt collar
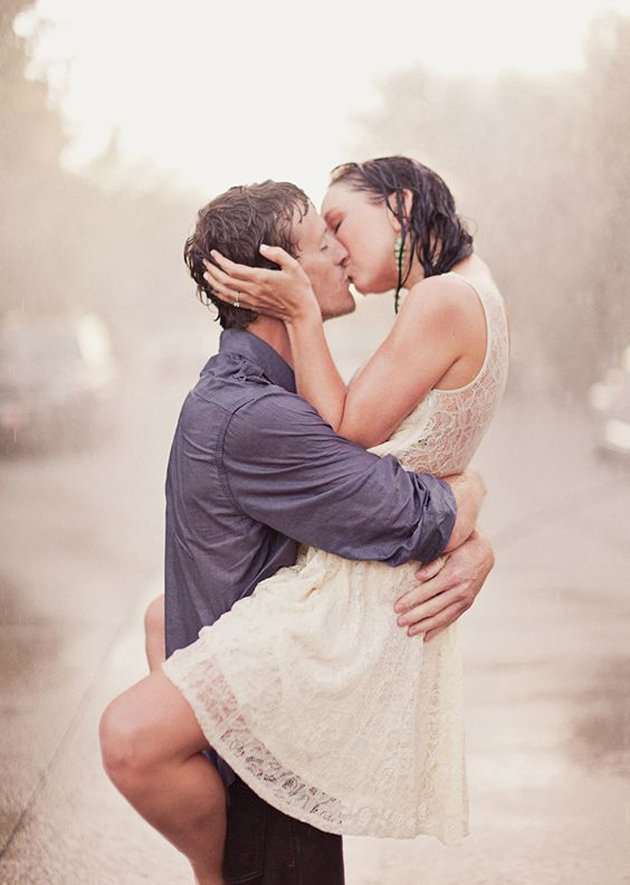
(253, 348)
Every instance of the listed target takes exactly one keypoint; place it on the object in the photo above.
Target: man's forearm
(469, 490)
(286, 468)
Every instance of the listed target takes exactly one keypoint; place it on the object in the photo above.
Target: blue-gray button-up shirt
(254, 470)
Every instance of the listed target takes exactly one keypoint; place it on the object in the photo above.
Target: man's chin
(341, 310)
(349, 305)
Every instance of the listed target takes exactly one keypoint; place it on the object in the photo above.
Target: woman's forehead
(340, 197)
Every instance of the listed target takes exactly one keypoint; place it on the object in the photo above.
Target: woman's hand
(287, 295)
(284, 294)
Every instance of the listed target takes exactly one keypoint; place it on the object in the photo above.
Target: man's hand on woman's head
(448, 587)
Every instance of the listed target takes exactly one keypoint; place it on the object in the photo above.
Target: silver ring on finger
(237, 302)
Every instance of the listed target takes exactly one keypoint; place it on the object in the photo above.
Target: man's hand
(448, 588)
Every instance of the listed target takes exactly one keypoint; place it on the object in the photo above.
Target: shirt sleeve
(285, 467)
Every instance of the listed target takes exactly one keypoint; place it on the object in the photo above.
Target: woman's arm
(431, 332)
(316, 375)
(288, 295)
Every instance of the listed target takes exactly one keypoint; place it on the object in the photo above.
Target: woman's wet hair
(432, 230)
(236, 223)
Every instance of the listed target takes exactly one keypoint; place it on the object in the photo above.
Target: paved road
(546, 646)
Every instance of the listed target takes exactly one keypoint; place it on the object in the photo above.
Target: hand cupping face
(282, 294)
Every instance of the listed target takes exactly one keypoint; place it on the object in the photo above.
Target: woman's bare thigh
(159, 714)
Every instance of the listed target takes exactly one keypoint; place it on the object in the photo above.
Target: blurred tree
(29, 159)
(607, 143)
(109, 240)
(36, 135)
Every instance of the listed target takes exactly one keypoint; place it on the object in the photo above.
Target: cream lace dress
(311, 691)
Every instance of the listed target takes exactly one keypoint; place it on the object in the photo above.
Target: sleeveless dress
(311, 691)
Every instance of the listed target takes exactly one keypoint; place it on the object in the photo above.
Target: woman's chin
(363, 287)
(367, 288)
(372, 283)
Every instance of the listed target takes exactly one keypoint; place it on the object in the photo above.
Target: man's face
(324, 259)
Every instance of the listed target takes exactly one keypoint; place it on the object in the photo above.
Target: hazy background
(118, 121)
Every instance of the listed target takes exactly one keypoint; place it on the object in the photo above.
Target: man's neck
(274, 333)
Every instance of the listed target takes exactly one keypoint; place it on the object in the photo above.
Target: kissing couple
(321, 539)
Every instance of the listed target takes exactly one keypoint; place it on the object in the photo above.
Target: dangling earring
(400, 252)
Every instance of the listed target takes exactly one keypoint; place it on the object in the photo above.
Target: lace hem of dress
(223, 724)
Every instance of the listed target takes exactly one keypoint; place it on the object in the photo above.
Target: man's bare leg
(151, 744)
(154, 633)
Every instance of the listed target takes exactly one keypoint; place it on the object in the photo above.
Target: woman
(308, 688)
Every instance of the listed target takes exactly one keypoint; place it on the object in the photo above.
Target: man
(254, 470)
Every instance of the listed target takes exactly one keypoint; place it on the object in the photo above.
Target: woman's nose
(341, 255)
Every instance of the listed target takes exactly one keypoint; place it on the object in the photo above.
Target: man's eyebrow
(304, 214)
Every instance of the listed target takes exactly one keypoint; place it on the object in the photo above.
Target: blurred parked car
(609, 403)
(57, 379)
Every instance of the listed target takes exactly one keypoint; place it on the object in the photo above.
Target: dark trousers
(265, 847)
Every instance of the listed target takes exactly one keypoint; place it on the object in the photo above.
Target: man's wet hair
(236, 224)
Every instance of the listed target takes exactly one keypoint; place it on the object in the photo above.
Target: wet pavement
(546, 651)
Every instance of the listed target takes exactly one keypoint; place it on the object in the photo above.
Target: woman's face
(368, 231)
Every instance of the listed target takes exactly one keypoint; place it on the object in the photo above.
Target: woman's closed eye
(327, 239)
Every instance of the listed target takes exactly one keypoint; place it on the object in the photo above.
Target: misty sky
(260, 90)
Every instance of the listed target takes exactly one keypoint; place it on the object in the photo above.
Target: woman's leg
(154, 633)
(151, 745)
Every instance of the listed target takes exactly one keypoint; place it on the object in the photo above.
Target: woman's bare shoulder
(445, 296)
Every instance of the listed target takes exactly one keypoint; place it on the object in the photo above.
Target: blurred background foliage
(109, 240)
(539, 164)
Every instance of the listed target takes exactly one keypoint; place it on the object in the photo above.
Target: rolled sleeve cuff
(440, 518)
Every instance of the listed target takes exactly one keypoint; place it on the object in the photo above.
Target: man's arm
(469, 490)
(285, 467)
